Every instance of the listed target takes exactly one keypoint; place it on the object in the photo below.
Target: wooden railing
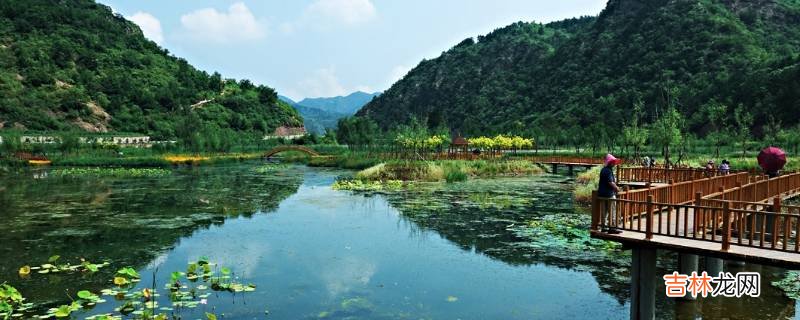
(750, 214)
(566, 159)
(683, 192)
(664, 175)
(759, 188)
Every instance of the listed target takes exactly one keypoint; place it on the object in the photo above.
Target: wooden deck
(747, 222)
(706, 248)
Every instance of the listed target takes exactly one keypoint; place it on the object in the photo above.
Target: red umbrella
(772, 159)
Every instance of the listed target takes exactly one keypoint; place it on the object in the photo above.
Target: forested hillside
(76, 64)
(586, 77)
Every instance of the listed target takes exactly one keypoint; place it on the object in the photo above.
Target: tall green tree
(666, 131)
(743, 119)
(634, 134)
(717, 114)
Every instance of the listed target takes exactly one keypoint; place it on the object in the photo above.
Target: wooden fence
(750, 214)
(683, 192)
(664, 175)
(566, 160)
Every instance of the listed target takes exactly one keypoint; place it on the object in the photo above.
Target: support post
(555, 168)
(726, 226)
(713, 266)
(649, 226)
(698, 201)
(688, 263)
(772, 222)
(643, 284)
(571, 169)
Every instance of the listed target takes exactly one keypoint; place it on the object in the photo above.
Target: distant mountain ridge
(349, 104)
(320, 114)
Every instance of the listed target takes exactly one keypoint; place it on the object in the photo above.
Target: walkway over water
(568, 161)
(738, 217)
(745, 222)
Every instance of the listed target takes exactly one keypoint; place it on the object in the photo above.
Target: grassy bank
(445, 170)
(585, 183)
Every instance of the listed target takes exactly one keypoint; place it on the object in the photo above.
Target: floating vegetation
(110, 172)
(560, 231)
(12, 304)
(367, 186)
(53, 266)
(185, 290)
(271, 168)
(790, 285)
(447, 170)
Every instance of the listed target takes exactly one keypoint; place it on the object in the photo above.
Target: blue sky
(313, 48)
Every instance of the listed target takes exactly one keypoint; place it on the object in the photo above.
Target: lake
(509, 248)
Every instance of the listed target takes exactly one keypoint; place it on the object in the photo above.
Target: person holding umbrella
(772, 160)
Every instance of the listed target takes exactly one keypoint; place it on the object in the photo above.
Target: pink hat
(610, 159)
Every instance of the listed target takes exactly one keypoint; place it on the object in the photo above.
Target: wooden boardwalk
(746, 222)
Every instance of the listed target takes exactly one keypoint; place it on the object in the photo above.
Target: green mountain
(318, 121)
(588, 73)
(320, 114)
(349, 104)
(76, 64)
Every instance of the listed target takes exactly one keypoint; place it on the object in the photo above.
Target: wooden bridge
(285, 148)
(568, 161)
(739, 217)
(746, 222)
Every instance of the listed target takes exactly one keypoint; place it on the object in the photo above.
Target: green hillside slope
(75, 64)
(588, 73)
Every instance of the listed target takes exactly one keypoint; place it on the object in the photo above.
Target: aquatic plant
(790, 284)
(367, 186)
(110, 172)
(186, 290)
(585, 183)
(446, 170)
(271, 168)
(52, 266)
(12, 304)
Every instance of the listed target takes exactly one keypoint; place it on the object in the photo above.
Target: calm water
(485, 249)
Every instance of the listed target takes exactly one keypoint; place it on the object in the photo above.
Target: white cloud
(323, 83)
(150, 26)
(324, 15)
(347, 12)
(238, 24)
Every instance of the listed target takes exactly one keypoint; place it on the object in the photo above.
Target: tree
(773, 134)
(356, 131)
(11, 142)
(70, 142)
(716, 113)
(666, 131)
(744, 120)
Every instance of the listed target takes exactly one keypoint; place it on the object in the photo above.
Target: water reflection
(486, 249)
(126, 221)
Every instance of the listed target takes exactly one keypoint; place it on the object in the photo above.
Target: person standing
(607, 188)
(725, 167)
